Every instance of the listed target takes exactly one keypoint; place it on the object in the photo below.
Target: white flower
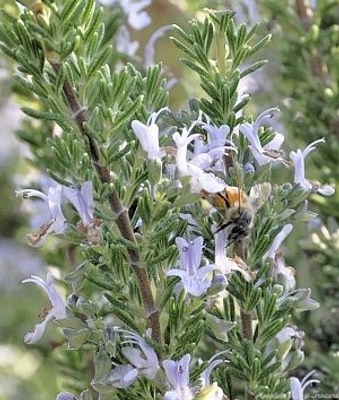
(298, 387)
(298, 160)
(177, 373)
(57, 310)
(270, 151)
(148, 135)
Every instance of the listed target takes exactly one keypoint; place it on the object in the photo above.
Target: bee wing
(259, 194)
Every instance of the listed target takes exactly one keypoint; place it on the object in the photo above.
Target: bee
(238, 208)
(239, 213)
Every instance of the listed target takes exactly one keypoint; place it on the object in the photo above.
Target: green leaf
(122, 310)
(270, 331)
(182, 47)
(241, 35)
(128, 113)
(43, 115)
(102, 365)
(237, 373)
(260, 44)
(182, 33)
(194, 67)
(71, 12)
(269, 307)
(252, 68)
(99, 61)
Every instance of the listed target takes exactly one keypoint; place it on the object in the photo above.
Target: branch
(121, 213)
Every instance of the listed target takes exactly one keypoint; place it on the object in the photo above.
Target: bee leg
(222, 226)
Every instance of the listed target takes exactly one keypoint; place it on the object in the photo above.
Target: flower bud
(211, 392)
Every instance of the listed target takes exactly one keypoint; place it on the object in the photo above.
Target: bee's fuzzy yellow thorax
(231, 196)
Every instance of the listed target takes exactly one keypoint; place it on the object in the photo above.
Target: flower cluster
(198, 163)
(176, 372)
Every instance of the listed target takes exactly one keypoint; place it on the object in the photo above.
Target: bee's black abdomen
(238, 225)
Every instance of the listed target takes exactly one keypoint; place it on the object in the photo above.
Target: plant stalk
(121, 213)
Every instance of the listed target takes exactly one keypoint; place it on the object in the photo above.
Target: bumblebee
(238, 208)
(239, 212)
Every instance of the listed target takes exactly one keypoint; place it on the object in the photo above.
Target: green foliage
(84, 109)
(215, 51)
(308, 50)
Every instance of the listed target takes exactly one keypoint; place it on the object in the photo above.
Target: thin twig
(246, 319)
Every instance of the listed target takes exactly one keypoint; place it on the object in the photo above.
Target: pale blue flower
(298, 160)
(210, 391)
(217, 135)
(57, 222)
(123, 376)
(82, 201)
(298, 387)
(194, 168)
(279, 238)
(223, 263)
(66, 396)
(217, 139)
(136, 18)
(283, 273)
(270, 151)
(302, 300)
(125, 44)
(143, 360)
(177, 373)
(194, 279)
(216, 147)
(289, 338)
(57, 309)
(148, 135)
(212, 363)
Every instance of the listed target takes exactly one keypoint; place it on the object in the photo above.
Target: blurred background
(301, 77)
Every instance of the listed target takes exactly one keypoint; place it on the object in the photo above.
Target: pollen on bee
(230, 196)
